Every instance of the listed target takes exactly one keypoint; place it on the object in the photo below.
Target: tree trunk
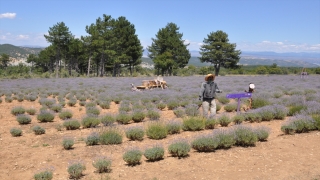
(57, 63)
(216, 69)
(89, 63)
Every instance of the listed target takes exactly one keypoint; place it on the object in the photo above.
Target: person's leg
(205, 108)
(213, 107)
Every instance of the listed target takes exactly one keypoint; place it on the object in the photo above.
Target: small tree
(218, 51)
(4, 60)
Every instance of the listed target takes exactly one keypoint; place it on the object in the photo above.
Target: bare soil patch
(281, 157)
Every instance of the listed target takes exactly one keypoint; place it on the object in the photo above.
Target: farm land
(280, 156)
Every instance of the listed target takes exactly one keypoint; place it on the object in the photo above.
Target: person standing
(251, 90)
(208, 94)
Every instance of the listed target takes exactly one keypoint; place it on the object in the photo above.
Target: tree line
(112, 46)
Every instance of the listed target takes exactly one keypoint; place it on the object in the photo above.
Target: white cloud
(285, 46)
(8, 15)
(21, 37)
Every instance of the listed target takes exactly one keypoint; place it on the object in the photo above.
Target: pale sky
(254, 25)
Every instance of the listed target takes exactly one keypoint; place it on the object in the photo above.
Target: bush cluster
(102, 164)
(135, 133)
(132, 157)
(110, 136)
(76, 169)
(15, 132)
(179, 148)
(156, 130)
(155, 153)
(71, 124)
(195, 123)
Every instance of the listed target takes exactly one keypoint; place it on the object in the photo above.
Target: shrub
(153, 114)
(45, 116)
(108, 119)
(224, 138)
(8, 99)
(204, 143)
(279, 112)
(31, 111)
(288, 129)
(156, 130)
(179, 112)
(161, 106)
(105, 104)
(72, 102)
(179, 148)
(293, 110)
(15, 132)
(262, 133)
(193, 124)
(210, 123)
(56, 107)
(192, 110)
(90, 121)
(18, 110)
(253, 117)
(173, 127)
(316, 119)
(138, 116)
(65, 115)
(92, 139)
(223, 100)
(110, 136)
(224, 120)
(230, 107)
(67, 143)
(245, 136)
(71, 124)
(123, 118)
(238, 119)
(172, 104)
(23, 119)
(135, 133)
(83, 103)
(44, 175)
(38, 130)
(102, 164)
(92, 111)
(259, 102)
(132, 157)
(218, 107)
(155, 153)
(76, 169)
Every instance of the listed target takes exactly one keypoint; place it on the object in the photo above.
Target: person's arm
(217, 88)
(201, 92)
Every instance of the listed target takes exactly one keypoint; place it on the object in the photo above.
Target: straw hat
(209, 75)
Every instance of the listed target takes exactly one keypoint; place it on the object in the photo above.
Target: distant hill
(18, 52)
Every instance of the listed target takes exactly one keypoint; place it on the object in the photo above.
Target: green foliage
(259, 102)
(172, 104)
(90, 121)
(288, 129)
(56, 107)
(155, 153)
(45, 116)
(135, 133)
(66, 114)
(156, 130)
(76, 169)
(132, 157)
(71, 124)
(38, 130)
(245, 136)
(31, 111)
(179, 112)
(223, 99)
(15, 132)
(108, 119)
(295, 109)
(173, 127)
(18, 110)
(224, 120)
(230, 107)
(238, 119)
(193, 123)
(253, 117)
(93, 111)
(262, 133)
(138, 116)
(102, 164)
(43, 175)
(123, 118)
(92, 139)
(153, 115)
(67, 143)
(316, 118)
(204, 144)
(161, 106)
(179, 148)
(217, 50)
(224, 138)
(110, 136)
(23, 119)
(210, 123)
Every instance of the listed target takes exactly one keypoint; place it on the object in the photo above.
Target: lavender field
(82, 108)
